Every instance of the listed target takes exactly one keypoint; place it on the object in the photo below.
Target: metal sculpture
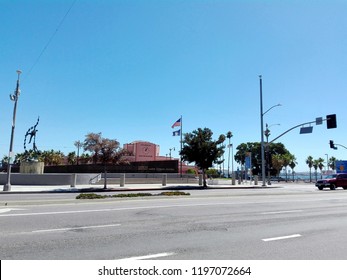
(32, 133)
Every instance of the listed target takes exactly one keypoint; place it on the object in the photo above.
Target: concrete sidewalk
(129, 187)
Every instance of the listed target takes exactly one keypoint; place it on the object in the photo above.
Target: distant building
(142, 151)
(146, 151)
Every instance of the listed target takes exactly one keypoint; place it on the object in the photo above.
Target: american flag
(177, 123)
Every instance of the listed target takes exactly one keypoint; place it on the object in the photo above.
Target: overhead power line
(51, 38)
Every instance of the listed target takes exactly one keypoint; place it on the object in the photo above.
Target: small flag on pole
(176, 133)
(177, 123)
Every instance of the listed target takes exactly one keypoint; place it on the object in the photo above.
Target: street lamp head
(271, 108)
(19, 72)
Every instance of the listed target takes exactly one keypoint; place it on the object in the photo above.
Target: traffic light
(331, 121)
(332, 145)
(331, 142)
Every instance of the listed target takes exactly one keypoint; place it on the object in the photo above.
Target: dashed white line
(4, 210)
(281, 237)
(282, 212)
(154, 256)
(73, 228)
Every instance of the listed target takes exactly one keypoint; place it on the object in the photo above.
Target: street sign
(248, 162)
(305, 130)
(341, 166)
(319, 121)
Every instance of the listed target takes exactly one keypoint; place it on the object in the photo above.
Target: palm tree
(85, 158)
(315, 166)
(332, 163)
(4, 161)
(309, 162)
(277, 163)
(52, 157)
(229, 135)
(71, 158)
(292, 164)
(320, 166)
(78, 144)
(287, 159)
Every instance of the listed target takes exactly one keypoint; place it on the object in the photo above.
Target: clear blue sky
(129, 69)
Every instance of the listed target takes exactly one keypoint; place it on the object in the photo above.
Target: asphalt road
(291, 223)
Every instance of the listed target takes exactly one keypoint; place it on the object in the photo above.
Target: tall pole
(262, 133)
(229, 160)
(181, 163)
(14, 97)
(232, 161)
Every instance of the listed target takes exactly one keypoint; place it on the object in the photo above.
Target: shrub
(98, 196)
(90, 196)
(174, 193)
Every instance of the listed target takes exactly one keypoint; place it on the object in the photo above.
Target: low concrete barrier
(122, 180)
(164, 180)
(73, 179)
(47, 179)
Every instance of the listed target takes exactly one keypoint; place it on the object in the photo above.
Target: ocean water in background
(304, 176)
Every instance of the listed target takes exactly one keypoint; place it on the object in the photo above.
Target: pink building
(142, 151)
(146, 151)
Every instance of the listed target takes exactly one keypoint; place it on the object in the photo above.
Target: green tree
(52, 157)
(212, 172)
(277, 163)
(85, 158)
(92, 143)
(71, 158)
(104, 150)
(199, 147)
(191, 171)
(309, 162)
(28, 155)
(255, 149)
(4, 161)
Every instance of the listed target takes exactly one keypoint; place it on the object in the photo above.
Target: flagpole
(181, 145)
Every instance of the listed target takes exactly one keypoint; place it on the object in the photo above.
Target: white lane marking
(282, 212)
(155, 256)
(74, 228)
(115, 209)
(4, 210)
(281, 237)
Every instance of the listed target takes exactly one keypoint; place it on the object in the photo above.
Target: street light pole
(14, 97)
(170, 151)
(262, 132)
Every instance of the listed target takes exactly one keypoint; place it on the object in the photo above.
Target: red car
(333, 181)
